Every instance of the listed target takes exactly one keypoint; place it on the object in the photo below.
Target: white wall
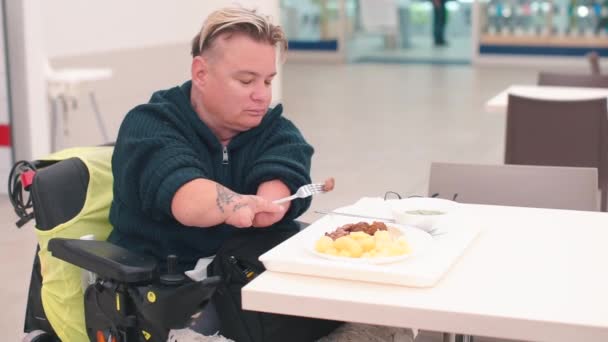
(74, 27)
(38, 30)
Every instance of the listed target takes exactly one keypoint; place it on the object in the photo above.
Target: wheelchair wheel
(39, 336)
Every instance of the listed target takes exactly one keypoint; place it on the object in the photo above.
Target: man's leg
(207, 321)
(204, 327)
(367, 332)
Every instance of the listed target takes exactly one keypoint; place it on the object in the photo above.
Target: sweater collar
(240, 139)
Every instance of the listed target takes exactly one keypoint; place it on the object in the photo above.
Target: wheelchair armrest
(105, 259)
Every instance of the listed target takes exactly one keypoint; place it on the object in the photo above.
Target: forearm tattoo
(239, 206)
(225, 197)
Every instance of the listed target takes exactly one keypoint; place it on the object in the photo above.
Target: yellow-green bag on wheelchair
(130, 300)
(85, 213)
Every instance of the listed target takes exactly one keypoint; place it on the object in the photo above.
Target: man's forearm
(205, 203)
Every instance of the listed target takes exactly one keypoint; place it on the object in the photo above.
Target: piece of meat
(358, 227)
(329, 184)
(365, 227)
(376, 226)
(338, 233)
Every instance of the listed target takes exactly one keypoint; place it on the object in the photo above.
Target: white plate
(417, 239)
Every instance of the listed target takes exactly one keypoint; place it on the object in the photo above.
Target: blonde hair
(237, 20)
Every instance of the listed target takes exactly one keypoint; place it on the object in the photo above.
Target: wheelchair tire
(39, 336)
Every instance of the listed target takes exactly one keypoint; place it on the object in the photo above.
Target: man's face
(236, 88)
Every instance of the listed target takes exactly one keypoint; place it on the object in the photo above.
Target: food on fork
(362, 240)
(329, 184)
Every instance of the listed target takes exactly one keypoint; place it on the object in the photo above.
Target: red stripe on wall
(5, 135)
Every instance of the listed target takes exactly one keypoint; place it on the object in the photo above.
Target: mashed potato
(363, 245)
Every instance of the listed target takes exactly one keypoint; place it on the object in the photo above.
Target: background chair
(553, 187)
(572, 80)
(381, 16)
(559, 133)
(594, 62)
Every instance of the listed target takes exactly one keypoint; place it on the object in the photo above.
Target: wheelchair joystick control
(172, 277)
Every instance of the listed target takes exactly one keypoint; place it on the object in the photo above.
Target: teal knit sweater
(163, 144)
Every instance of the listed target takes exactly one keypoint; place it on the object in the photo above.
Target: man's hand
(271, 190)
(248, 210)
(267, 219)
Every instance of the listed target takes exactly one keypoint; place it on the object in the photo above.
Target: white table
(63, 87)
(532, 274)
(498, 104)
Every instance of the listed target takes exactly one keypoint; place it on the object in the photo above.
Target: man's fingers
(242, 221)
(273, 208)
(263, 205)
(266, 219)
(242, 217)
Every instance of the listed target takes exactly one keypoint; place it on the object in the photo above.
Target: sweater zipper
(225, 155)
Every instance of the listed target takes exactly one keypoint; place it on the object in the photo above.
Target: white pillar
(6, 158)
(27, 82)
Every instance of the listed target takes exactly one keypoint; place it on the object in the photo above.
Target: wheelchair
(131, 297)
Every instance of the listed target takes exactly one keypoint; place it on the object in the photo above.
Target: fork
(303, 192)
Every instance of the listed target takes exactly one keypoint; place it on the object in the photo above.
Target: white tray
(421, 270)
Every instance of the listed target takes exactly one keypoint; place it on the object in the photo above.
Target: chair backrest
(594, 62)
(572, 80)
(554, 187)
(558, 133)
(379, 15)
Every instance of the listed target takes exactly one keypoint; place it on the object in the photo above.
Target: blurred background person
(439, 21)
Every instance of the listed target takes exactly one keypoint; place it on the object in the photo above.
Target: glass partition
(312, 25)
(401, 31)
(543, 27)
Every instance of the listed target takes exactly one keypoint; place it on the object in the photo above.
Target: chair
(572, 80)
(594, 62)
(555, 187)
(130, 297)
(552, 187)
(63, 87)
(559, 133)
(123, 294)
(381, 16)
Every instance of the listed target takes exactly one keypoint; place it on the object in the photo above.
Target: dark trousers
(439, 20)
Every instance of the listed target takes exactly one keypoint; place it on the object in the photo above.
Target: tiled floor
(375, 128)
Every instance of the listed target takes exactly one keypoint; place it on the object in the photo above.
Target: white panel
(2, 45)
(4, 118)
(6, 159)
(5, 168)
(25, 46)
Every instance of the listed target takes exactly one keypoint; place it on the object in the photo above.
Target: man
(202, 160)
(439, 21)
